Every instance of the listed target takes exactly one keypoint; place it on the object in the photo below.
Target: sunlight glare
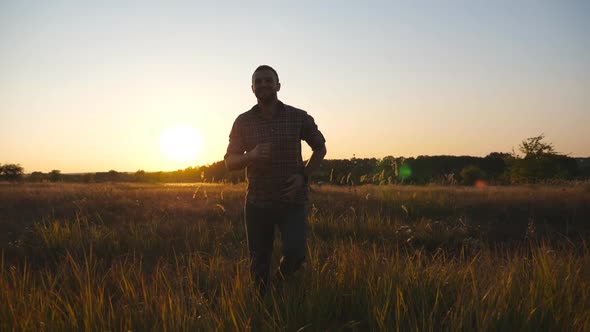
(181, 143)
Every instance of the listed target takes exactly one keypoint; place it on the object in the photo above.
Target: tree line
(538, 162)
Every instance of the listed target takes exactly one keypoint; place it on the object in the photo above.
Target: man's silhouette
(266, 140)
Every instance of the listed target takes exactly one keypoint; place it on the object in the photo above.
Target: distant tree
(496, 166)
(37, 176)
(155, 177)
(541, 162)
(11, 172)
(583, 165)
(55, 175)
(140, 176)
(534, 147)
(386, 167)
(112, 176)
(88, 178)
(215, 172)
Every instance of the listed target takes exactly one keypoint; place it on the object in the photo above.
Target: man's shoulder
(245, 116)
(251, 113)
(294, 110)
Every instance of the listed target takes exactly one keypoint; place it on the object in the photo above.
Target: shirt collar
(280, 109)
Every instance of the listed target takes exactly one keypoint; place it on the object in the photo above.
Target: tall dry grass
(154, 257)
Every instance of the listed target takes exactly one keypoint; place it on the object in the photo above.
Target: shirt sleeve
(236, 141)
(311, 134)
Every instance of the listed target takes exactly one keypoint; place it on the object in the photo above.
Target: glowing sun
(181, 143)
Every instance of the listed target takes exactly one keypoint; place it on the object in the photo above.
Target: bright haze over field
(127, 85)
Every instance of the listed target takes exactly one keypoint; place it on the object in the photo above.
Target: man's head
(265, 84)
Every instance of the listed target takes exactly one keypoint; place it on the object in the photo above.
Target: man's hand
(238, 161)
(294, 184)
(260, 152)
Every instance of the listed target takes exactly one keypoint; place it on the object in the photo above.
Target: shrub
(471, 174)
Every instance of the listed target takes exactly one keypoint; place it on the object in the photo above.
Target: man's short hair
(267, 67)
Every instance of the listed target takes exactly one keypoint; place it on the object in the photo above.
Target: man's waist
(270, 182)
(273, 195)
(268, 189)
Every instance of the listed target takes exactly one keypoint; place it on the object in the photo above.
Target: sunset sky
(125, 85)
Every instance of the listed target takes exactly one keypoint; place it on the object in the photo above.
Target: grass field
(118, 257)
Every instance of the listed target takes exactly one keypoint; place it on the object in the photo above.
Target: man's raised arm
(314, 161)
(236, 161)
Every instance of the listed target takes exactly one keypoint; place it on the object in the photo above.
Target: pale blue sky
(92, 86)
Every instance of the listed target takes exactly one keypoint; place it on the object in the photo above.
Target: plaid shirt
(284, 131)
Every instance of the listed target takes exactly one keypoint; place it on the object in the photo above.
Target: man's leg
(293, 228)
(260, 232)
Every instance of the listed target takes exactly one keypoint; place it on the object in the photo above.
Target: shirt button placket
(273, 128)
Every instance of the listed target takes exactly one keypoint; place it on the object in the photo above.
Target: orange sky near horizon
(95, 87)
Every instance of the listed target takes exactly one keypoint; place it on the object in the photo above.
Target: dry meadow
(138, 257)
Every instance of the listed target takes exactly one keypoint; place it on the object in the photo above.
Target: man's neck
(267, 110)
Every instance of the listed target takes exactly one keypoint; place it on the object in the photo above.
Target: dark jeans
(260, 226)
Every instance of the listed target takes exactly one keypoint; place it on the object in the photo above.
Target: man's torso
(267, 178)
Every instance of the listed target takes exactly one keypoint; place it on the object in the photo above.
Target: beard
(266, 96)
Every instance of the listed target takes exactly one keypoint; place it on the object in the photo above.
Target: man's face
(265, 85)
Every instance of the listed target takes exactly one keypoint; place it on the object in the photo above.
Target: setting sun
(181, 143)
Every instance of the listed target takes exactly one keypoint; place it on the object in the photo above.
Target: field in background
(174, 257)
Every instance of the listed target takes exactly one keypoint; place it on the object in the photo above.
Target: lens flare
(405, 172)
(480, 184)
